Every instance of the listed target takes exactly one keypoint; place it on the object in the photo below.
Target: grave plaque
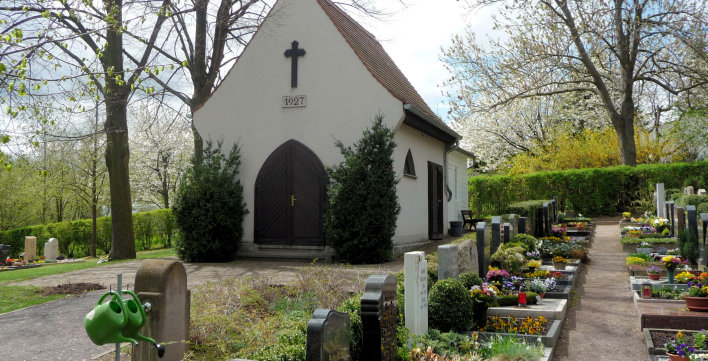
(680, 219)
(448, 262)
(328, 336)
(507, 232)
(415, 276)
(30, 248)
(514, 222)
(538, 231)
(692, 220)
(660, 200)
(51, 249)
(522, 225)
(480, 248)
(496, 234)
(379, 316)
(546, 219)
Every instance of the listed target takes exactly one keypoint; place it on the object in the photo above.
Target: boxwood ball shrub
(470, 279)
(702, 208)
(450, 306)
(527, 241)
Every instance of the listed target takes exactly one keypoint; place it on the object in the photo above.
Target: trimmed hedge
(595, 191)
(151, 229)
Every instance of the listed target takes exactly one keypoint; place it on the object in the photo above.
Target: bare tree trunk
(198, 145)
(624, 128)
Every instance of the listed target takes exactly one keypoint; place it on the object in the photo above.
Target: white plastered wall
(342, 99)
(457, 180)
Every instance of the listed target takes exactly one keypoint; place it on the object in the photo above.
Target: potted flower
(559, 262)
(644, 247)
(537, 286)
(654, 273)
(532, 264)
(496, 275)
(685, 277)
(483, 297)
(626, 216)
(670, 263)
(677, 349)
(697, 299)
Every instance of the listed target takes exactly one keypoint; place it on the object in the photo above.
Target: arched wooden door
(290, 197)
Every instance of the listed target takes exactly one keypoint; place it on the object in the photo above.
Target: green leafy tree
(209, 208)
(363, 204)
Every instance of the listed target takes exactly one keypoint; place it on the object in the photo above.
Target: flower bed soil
(71, 289)
(660, 337)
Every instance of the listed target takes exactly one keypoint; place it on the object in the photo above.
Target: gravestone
(514, 223)
(4, 252)
(481, 227)
(448, 262)
(546, 219)
(415, 278)
(688, 191)
(557, 205)
(552, 210)
(507, 232)
(538, 230)
(328, 336)
(692, 220)
(680, 219)
(522, 225)
(51, 249)
(670, 216)
(30, 248)
(660, 200)
(701, 192)
(704, 222)
(379, 318)
(496, 234)
(163, 283)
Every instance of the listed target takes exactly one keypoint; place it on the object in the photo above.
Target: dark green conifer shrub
(363, 206)
(209, 207)
(450, 306)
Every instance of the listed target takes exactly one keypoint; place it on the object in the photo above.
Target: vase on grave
(479, 315)
(654, 276)
(670, 274)
(673, 357)
(699, 304)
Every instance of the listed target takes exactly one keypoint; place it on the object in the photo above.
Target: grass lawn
(17, 297)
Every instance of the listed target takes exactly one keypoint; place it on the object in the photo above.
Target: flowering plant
(559, 259)
(678, 346)
(626, 215)
(644, 245)
(550, 283)
(697, 290)
(533, 263)
(654, 270)
(539, 273)
(684, 277)
(497, 274)
(486, 293)
(552, 239)
(527, 325)
(670, 262)
(673, 252)
(699, 357)
(536, 285)
(533, 255)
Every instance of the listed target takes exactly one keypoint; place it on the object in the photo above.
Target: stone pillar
(522, 225)
(496, 234)
(163, 283)
(660, 200)
(538, 230)
(692, 220)
(30, 248)
(557, 205)
(514, 223)
(680, 219)
(448, 262)
(672, 213)
(51, 249)
(481, 226)
(546, 219)
(379, 318)
(415, 278)
(507, 232)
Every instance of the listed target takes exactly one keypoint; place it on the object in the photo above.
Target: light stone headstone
(522, 225)
(688, 191)
(680, 219)
(379, 318)
(328, 336)
(30, 248)
(514, 222)
(481, 226)
(51, 249)
(660, 200)
(448, 263)
(701, 192)
(507, 232)
(415, 278)
(496, 234)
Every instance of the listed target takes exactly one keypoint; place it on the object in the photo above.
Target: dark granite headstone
(546, 219)
(480, 248)
(673, 217)
(538, 230)
(4, 252)
(692, 220)
(328, 336)
(704, 221)
(522, 225)
(670, 217)
(496, 234)
(507, 232)
(680, 219)
(379, 316)
(557, 205)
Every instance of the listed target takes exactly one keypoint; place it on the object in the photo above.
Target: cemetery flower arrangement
(533, 263)
(684, 277)
(550, 283)
(496, 274)
(527, 325)
(679, 346)
(660, 223)
(635, 260)
(552, 239)
(653, 270)
(486, 293)
(626, 215)
(697, 290)
(646, 229)
(533, 255)
(559, 259)
(536, 285)
(539, 273)
(671, 262)
(699, 357)
(644, 245)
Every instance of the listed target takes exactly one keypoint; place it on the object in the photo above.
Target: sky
(414, 38)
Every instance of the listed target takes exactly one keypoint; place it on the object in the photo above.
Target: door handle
(292, 200)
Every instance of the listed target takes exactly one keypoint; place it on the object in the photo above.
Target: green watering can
(118, 321)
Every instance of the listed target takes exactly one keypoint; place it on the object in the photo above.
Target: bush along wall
(152, 229)
(595, 191)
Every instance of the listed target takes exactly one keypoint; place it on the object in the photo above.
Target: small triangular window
(409, 167)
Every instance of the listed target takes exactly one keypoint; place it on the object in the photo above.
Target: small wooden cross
(294, 53)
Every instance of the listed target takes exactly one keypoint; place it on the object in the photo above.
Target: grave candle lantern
(522, 299)
(646, 290)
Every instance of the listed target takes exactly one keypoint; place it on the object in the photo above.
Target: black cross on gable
(294, 53)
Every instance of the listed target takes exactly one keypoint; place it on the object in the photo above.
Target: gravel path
(601, 323)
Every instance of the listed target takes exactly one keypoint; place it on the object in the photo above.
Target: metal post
(119, 288)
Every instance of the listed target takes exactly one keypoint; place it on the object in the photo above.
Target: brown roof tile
(376, 60)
